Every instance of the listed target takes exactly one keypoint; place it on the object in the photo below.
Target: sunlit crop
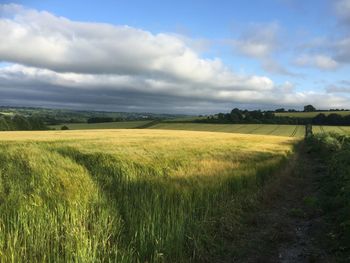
(123, 195)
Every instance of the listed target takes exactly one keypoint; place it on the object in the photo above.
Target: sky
(192, 57)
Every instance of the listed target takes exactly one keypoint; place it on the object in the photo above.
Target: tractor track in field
(148, 125)
(255, 129)
(295, 131)
(239, 128)
(273, 130)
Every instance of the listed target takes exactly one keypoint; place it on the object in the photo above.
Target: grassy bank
(333, 150)
(127, 195)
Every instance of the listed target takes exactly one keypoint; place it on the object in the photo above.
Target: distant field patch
(105, 125)
(310, 114)
(259, 129)
(7, 113)
(262, 129)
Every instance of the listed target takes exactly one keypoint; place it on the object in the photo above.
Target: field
(310, 114)
(106, 125)
(7, 113)
(263, 129)
(127, 195)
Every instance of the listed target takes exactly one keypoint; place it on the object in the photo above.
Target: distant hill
(60, 116)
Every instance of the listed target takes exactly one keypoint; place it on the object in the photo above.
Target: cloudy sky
(181, 56)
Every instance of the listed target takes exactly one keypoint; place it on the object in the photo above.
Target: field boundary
(147, 125)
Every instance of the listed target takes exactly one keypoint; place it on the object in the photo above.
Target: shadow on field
(166, 217)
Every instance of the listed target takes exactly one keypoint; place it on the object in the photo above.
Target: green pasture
(105, 125)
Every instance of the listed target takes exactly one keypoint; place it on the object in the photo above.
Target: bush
(324, 143)
(335, 188)
(64, 128)
(100, 119)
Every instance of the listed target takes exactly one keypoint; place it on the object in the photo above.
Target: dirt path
(286, 226)
(303, 216)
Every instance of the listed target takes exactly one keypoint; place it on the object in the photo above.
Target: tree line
(103, 119)
(238, 116)
(21, 123)
(331, 119)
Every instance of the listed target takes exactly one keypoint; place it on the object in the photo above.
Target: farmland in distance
(310, 114)
(263, 129)
(104, 125)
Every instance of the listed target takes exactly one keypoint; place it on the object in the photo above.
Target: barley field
(263, 129)
(127, 195)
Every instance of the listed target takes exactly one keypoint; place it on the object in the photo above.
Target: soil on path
(287, 225)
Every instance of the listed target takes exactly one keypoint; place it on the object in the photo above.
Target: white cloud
(342, 50)
(342, 86)
(55, 60)
(332, 51)
(272, 66)
(319, 61)
(259, 40)
(40, 39)
(342, 8)
(262, 42)
(24, 75)
(337, 89)
(34, 80)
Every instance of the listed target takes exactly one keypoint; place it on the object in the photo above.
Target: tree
(21, 123)
(256, 114)
(269, 115)
(4, 124)
(280, 110)
(37, 124)
(247, 116)
(320, 119)
(236, 115)
(64, 128)
(309, 108)
(100, 119)
(334, 119)
(227, 116)
(346, 120)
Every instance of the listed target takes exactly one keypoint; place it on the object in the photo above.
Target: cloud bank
(54, 61)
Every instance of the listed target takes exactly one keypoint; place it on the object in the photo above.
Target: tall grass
(133, 196)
